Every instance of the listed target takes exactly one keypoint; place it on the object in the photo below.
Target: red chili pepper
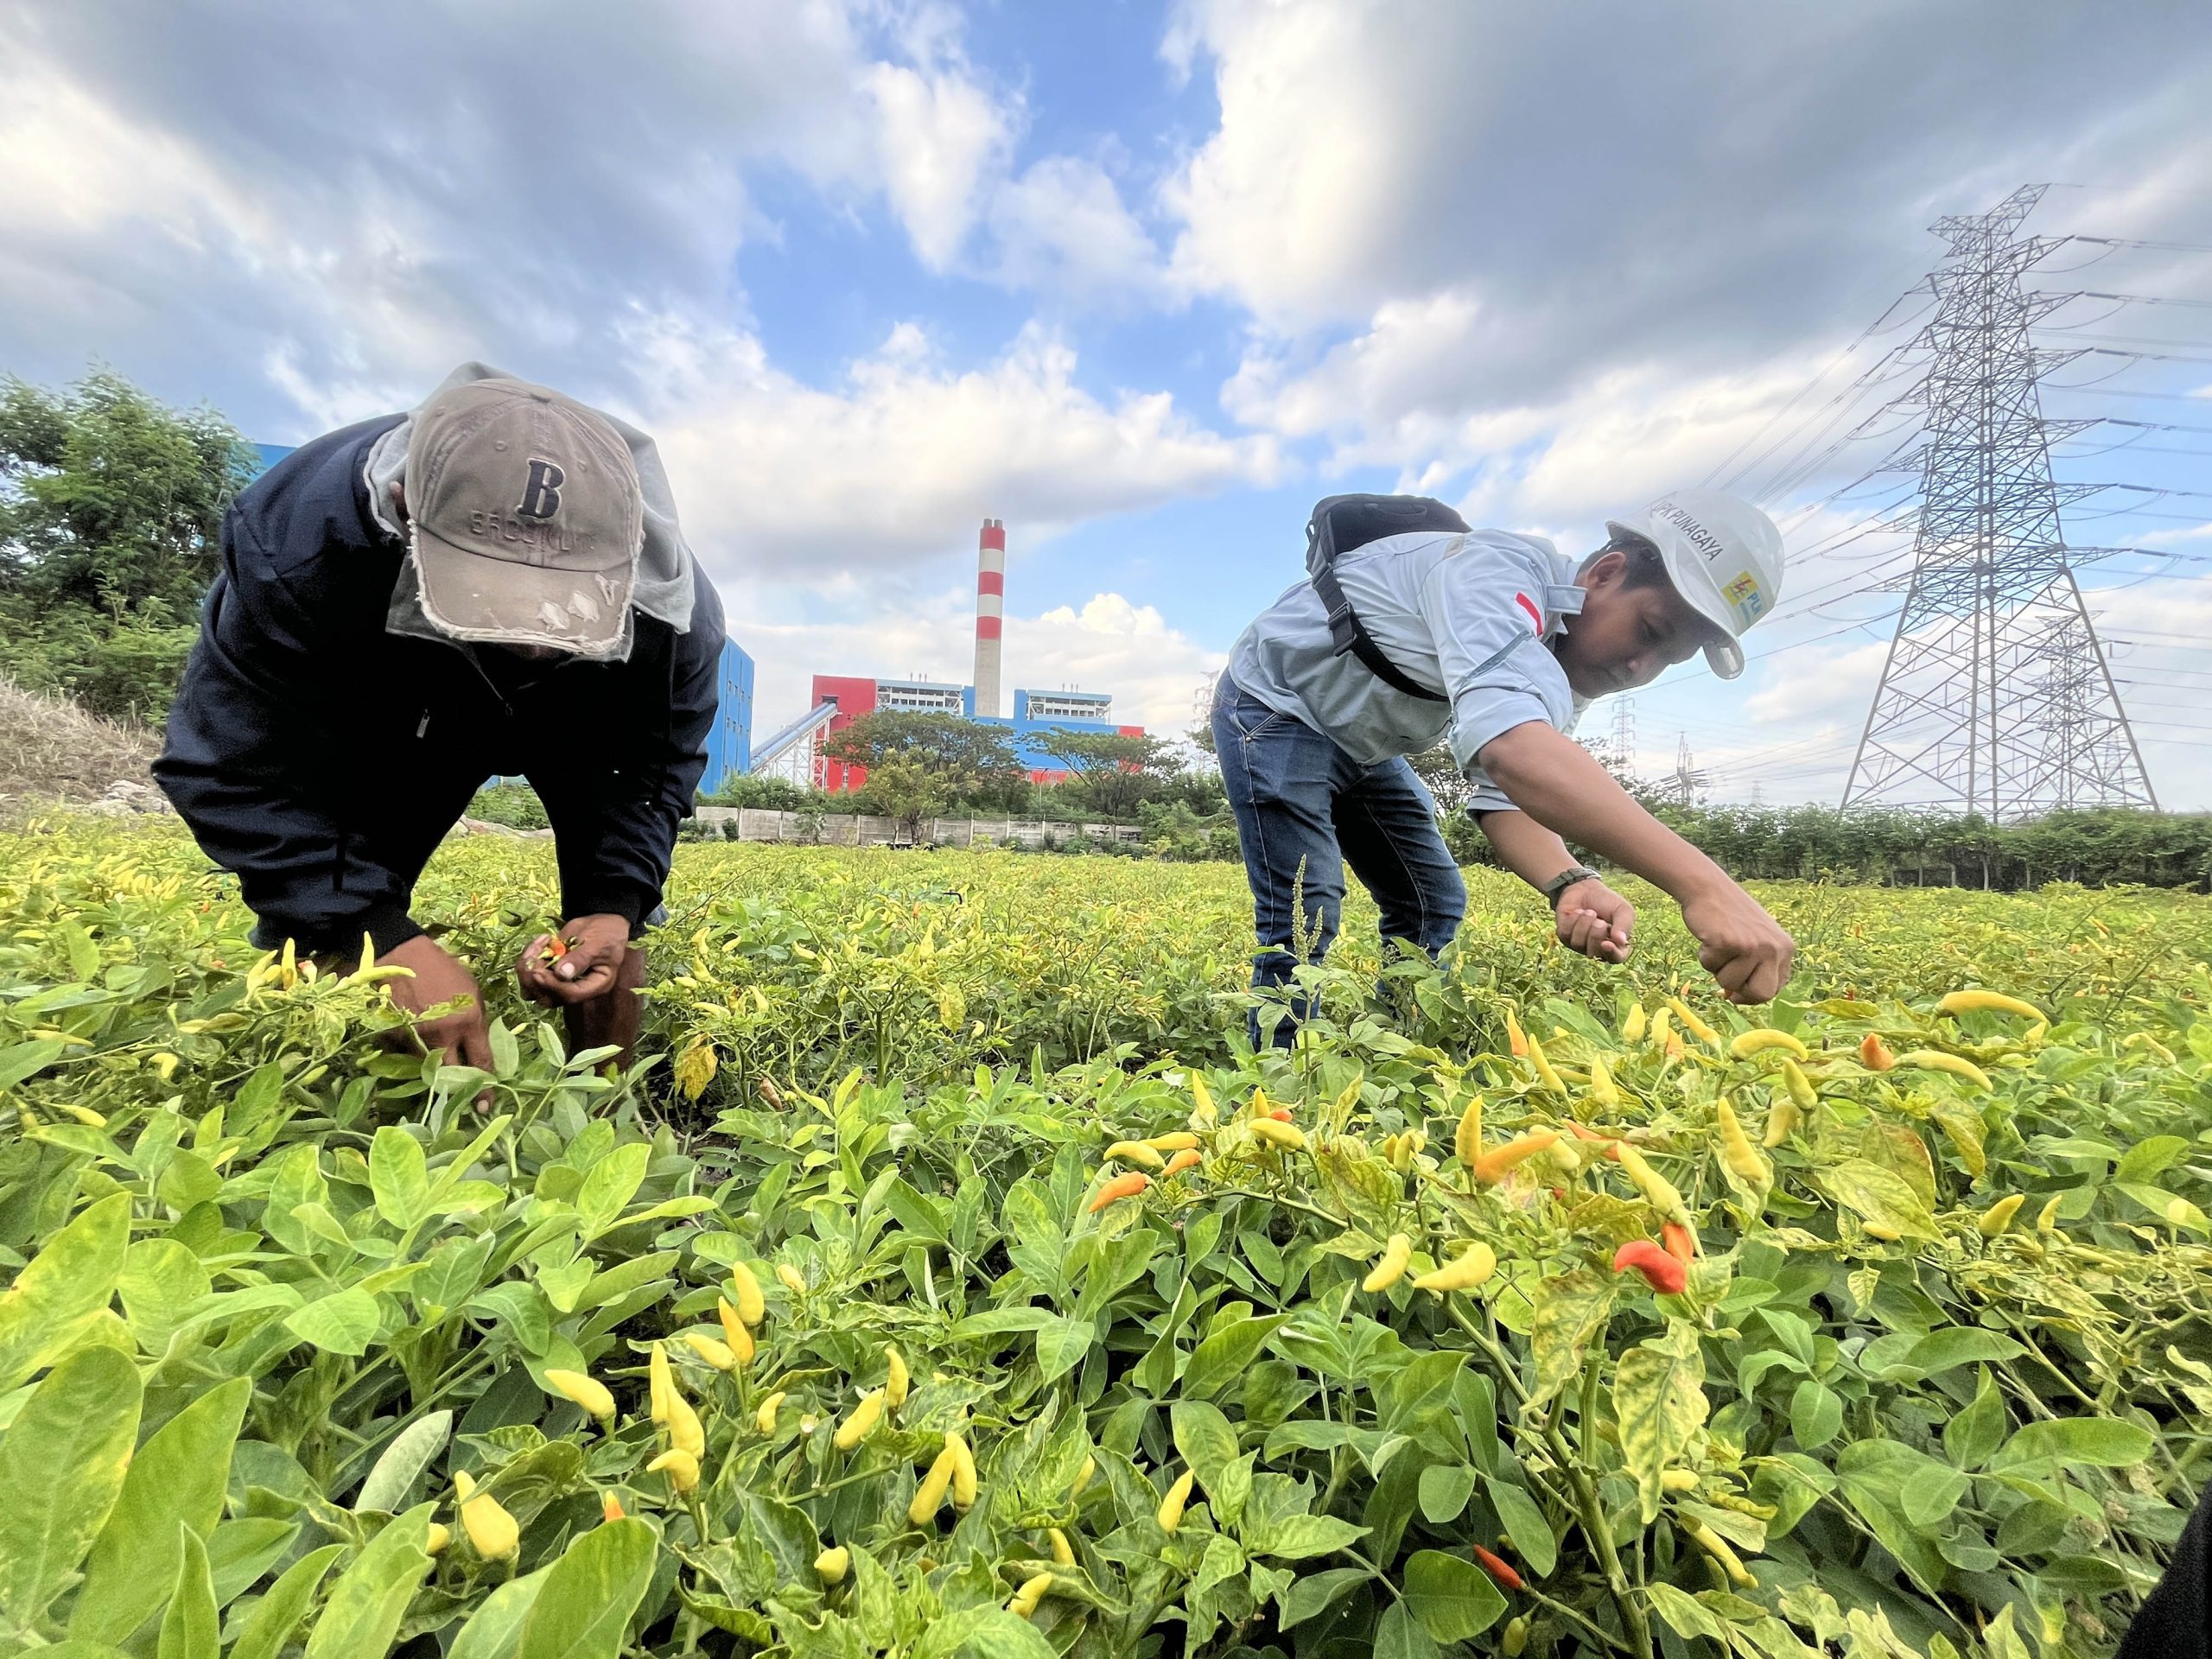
(1281, 1113)
(1499, 1567)
(1680, 1243)
(1660, 1270)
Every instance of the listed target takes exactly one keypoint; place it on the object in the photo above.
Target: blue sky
(1145, 280)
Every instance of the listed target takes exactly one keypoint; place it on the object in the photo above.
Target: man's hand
(1596, 921)
(580, 963)
(1747, 950)
(460, 1034)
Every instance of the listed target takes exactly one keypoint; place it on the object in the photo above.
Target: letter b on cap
(541, 492)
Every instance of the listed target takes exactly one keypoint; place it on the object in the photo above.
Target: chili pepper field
(1523, 1311)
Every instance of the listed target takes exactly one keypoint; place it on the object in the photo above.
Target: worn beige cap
(525, 519)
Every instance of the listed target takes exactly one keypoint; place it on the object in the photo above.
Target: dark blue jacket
(321, 758)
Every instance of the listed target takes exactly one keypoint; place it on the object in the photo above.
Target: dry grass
(50, 749)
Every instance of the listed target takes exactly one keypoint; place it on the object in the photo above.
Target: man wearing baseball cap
(493, 584)
(1413, 629)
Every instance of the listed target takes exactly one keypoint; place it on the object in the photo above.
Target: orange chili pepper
(1499, 1567)
(1874, 1054)
(1122, 1187)
(1681, 1241)
(1493, 1165)
(1661, 1271)
(1182, 1160)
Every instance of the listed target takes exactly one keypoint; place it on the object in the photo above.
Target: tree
(1117, 772)
(111, 513)
(969, 760)
(905, 789)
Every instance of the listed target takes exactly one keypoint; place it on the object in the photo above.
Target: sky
(1144, 280)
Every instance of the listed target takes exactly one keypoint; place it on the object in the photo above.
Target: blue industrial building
(730, 741)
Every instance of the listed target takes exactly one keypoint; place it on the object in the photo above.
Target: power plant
(837, 699)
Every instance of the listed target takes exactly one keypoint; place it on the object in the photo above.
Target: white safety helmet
(1723, 555)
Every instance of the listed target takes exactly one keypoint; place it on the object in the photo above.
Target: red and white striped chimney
(990, 615)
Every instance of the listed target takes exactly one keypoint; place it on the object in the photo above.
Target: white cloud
(1062, 226)
(942, 136)
(902, 461)
(1823, 682)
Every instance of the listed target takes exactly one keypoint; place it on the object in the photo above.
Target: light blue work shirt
(1472, 616)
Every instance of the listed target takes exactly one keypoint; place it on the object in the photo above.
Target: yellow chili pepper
(1495, 1165)
(963, 1472)
(492, 1531)
(1781, 1122)
(1203, 1113)
(1390, 1266)
(1692, 1023)
(1678, 1480)
(661, 1382)
(830, 1565)
(1467, 1139)
(1717, 1547)
(790, 1278)
(2047, 1217)
(734, 1332)
(439, 1537)
(765, 1419)
(1801, 1086)
(1178, 1141)
(1473, 1267)
(1023, 1603)
(1545, 1075)
(1170, 1507)
(1602, 1089)
(1748, 1043)
(1516, 1636)
(1136, 1152)
(1995, 1219)
(1736, 1149)
(584, 1391)
(1516, 1039)
(745, 1291)
(717, 1353)
(864, 1417)
(685, 1431)
(1083, 1477)
(1959, 1002)
(895, 1385)
(1657, 1192)
(1288, 1136)
(929, 1496)
(1929, 1059)
(680, 1467)
(1062, 1553)
(1632, 1028)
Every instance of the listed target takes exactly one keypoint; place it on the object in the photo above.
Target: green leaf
(188, 1628)
(239, 1551)
(1815, 1415)
(403, 1461)
(1928, 1495)
(268, 1628)
(1524, 1523)
(1571, 1309)
(584, 1610)
(1959, 1344)
(2149, 1157)
(2096, 1442)
(399, 1177)
(176, 1478)
(371, 1595)
(609, 1185)
(1878, 1195)
(1398, 1635)
(1061, 1346)
(62, 1468)
(494, 1631)
(1659, 1403)
(344, 1324)
(1208, 1443)
(1453, 1600)
(1687, 1616)
(67, 1283)
(20, 1061)
(1301, 1537)
(1316, 1592)
(1222, 1357)
(1445, 1490)
(1975, 1432)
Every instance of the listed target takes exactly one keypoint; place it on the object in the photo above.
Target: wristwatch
(1565, 879)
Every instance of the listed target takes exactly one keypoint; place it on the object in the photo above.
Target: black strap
(1346, 632)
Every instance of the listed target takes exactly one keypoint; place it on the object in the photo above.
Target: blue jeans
(1303, 804)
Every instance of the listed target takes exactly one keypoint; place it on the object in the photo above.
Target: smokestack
(990, 615)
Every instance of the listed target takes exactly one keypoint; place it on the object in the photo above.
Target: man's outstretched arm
(1554, 780)
(1592, 917)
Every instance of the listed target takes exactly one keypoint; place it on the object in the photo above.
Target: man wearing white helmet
(1413, 629)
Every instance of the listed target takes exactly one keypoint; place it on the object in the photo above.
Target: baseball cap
(525, 519)
(1724, 557)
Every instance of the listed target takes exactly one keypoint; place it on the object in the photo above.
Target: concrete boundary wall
(862, 830)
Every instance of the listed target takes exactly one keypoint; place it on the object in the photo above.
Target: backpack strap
(1366, 518)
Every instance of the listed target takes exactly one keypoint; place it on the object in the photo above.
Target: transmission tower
(1687, 780)
(1996, 697)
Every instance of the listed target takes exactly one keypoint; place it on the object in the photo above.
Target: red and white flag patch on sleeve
(1536, 616)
